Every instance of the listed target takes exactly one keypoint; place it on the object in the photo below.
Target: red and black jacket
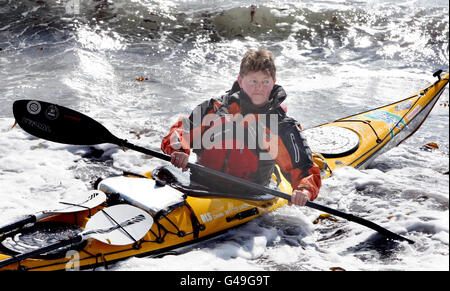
(243, 160)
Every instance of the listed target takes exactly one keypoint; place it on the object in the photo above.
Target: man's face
(258, 86)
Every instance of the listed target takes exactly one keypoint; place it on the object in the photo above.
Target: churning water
(136, 66)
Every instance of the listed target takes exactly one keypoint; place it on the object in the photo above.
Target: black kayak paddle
(63, 125)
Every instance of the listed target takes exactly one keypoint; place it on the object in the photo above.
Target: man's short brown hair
(261, 60)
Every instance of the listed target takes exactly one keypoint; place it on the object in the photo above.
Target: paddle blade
(94, 198)
(121, 224)
(60, 124)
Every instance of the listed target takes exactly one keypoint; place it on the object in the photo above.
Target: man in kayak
(246, 132)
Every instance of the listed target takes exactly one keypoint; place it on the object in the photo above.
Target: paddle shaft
(274, 192)
(126, 144)
(18, 224)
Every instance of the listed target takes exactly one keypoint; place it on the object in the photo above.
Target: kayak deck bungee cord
(379, 129)
(182, 214)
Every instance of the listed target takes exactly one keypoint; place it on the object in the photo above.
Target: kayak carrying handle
(438, 74)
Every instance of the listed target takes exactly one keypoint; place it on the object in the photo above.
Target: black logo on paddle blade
(34, 107)
(52, 112)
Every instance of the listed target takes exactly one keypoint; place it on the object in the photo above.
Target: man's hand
(180, 160)
(299, 197)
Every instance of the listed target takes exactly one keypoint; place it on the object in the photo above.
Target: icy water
(136, 66)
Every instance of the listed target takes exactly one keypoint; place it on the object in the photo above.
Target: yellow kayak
(358, 139)
(180, 219)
